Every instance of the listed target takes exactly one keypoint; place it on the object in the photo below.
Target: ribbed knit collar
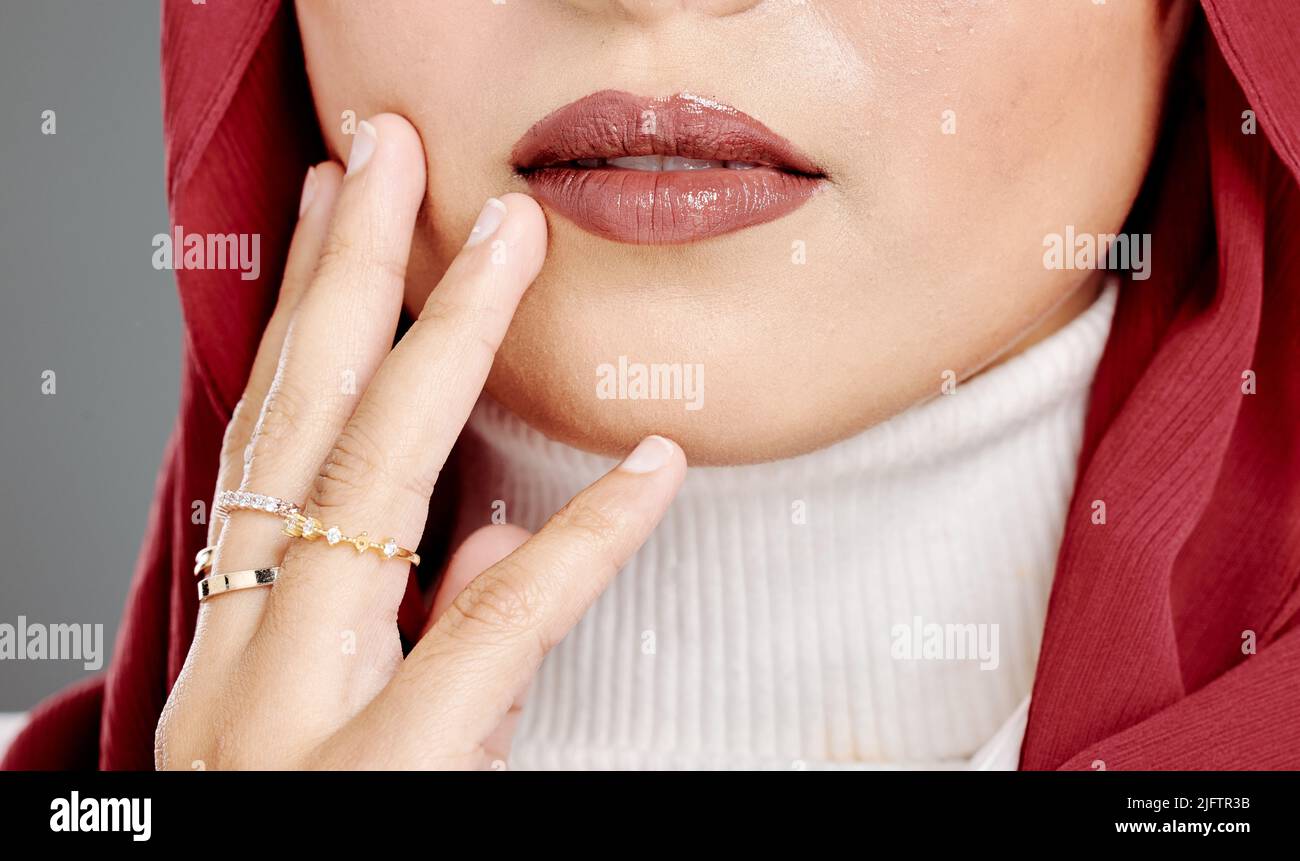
(771, 620)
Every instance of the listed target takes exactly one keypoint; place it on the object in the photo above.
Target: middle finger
(380, 474)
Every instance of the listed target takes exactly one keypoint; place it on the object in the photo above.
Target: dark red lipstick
(662, 171)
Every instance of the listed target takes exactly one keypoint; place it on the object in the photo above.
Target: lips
(662, 171)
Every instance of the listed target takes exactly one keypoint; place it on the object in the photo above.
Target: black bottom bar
(546, 812)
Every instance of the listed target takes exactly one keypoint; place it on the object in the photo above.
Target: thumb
(484, 548)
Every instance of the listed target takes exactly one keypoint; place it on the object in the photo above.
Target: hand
(309, 673)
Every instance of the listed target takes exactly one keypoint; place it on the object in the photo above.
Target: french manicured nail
(494, 212)
(650, 454)
(308, 191)
(363, 146)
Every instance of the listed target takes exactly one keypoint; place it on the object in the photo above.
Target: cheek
(444, 67)
(985, 127)
(981, 107)
(959, 135)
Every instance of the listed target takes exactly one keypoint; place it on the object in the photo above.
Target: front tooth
(637, 162)
(663, 163)
(678, 163)
(740, 165)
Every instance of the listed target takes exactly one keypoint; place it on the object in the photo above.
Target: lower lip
(669, 207)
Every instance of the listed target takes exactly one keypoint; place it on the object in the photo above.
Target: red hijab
(1172, 636)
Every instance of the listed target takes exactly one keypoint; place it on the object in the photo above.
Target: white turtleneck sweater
(875, 604)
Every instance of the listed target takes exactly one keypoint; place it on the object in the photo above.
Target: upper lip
(614, 124)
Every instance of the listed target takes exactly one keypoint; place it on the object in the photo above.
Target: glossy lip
(667, 207)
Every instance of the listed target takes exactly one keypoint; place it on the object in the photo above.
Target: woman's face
(919, 153)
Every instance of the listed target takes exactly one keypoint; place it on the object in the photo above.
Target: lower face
(816, 212)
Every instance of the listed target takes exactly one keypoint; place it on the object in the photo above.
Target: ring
(236, 580)
(203, 559)
(238, 500)
(299, 525)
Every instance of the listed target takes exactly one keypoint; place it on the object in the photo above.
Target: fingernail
(308, 191)
(363, 146)
(650, 454)
(494, 212)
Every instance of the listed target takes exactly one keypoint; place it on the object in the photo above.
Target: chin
(737, 423)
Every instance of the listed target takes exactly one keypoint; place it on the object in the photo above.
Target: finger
(466, 673)
(217, 634)
(380, 474)
(319, 192)
(341, 331)
(484, 548)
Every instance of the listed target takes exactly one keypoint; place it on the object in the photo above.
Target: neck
(877, 603)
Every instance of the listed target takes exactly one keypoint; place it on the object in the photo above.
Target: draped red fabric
(1172, 638)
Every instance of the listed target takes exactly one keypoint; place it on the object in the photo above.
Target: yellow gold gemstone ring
(300, 525)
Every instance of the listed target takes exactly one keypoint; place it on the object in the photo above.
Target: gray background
(79, 296)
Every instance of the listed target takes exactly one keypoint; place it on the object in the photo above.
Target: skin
(924, 251)
(902, 256)
(310, 673)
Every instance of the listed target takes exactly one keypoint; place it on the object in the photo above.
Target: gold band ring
(236, 580)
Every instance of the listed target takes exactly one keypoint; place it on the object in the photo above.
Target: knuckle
(281, 421)
(348, 471)
(345, 259)
(594, 525)
(358, 465)
(440, 307)
(479, 327)
(495, 607)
